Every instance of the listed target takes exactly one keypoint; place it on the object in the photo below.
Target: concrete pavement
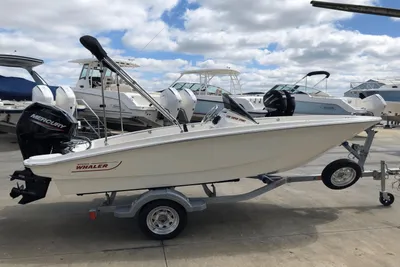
(302, 224)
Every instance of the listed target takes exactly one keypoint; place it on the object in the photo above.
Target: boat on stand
(17, 93)
(311, 100)
(209, 95)
(124, 108)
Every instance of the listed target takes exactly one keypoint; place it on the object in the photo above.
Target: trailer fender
(157, 194)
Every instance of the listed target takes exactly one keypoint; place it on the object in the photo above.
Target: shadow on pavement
(56, 230)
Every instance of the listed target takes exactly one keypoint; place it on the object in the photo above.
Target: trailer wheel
(386, 201)
(162, 219)
(341, 174)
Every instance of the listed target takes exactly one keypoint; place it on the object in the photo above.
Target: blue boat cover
(15, 88)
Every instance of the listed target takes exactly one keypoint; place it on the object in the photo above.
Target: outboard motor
(375, 104)
(171, 100)
(291, 104)
(66, 99)
(279, 103)
(188, 105)
(44, 129)
(42, 93)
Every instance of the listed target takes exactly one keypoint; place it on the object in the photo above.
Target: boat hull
(203, 160)
(304, 107)
(306, 104)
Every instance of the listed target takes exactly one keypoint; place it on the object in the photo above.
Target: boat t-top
(125, 108)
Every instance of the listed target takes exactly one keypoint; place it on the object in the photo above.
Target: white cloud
(56, 29)
(227, 33)
(76, 17)
(307, 39)
(154, 36)
(150, 64)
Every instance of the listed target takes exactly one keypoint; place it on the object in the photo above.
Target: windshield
(298, 89)
(195, 87)
(96, 73)
(17, 83)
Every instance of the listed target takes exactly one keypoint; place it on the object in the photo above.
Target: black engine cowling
(279, 103)
(44, 129)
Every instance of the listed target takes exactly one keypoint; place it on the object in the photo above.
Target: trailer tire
(173, 215)
(386, 201)
(341, 174)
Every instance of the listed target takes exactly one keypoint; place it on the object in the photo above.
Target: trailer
(162, 212)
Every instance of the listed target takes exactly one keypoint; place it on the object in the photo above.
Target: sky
(269, 42)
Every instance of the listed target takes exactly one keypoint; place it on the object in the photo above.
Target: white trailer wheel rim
(343, 176)
(162, 220)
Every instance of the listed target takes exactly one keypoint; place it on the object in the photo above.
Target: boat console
(277, 103)
(232, 105)
(233, 113)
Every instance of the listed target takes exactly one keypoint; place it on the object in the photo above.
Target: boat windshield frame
(198, 87)
(299, 89)
(205, 76)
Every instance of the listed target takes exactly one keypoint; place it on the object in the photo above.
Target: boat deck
(301, 224)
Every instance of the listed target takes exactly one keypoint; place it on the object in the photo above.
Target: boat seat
(96, 81)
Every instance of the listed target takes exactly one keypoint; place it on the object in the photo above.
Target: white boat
(124, 108)
(209, 95)
(226, 145)
(387, 88)
(10, 111)
(159, 158)
(19, 93)
(310, 100)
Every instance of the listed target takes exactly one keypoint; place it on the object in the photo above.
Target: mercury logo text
(48, 121)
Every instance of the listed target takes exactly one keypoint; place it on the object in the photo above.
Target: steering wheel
(210, 114)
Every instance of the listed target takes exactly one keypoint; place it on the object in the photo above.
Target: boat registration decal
(235, 118)
(96, 166)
